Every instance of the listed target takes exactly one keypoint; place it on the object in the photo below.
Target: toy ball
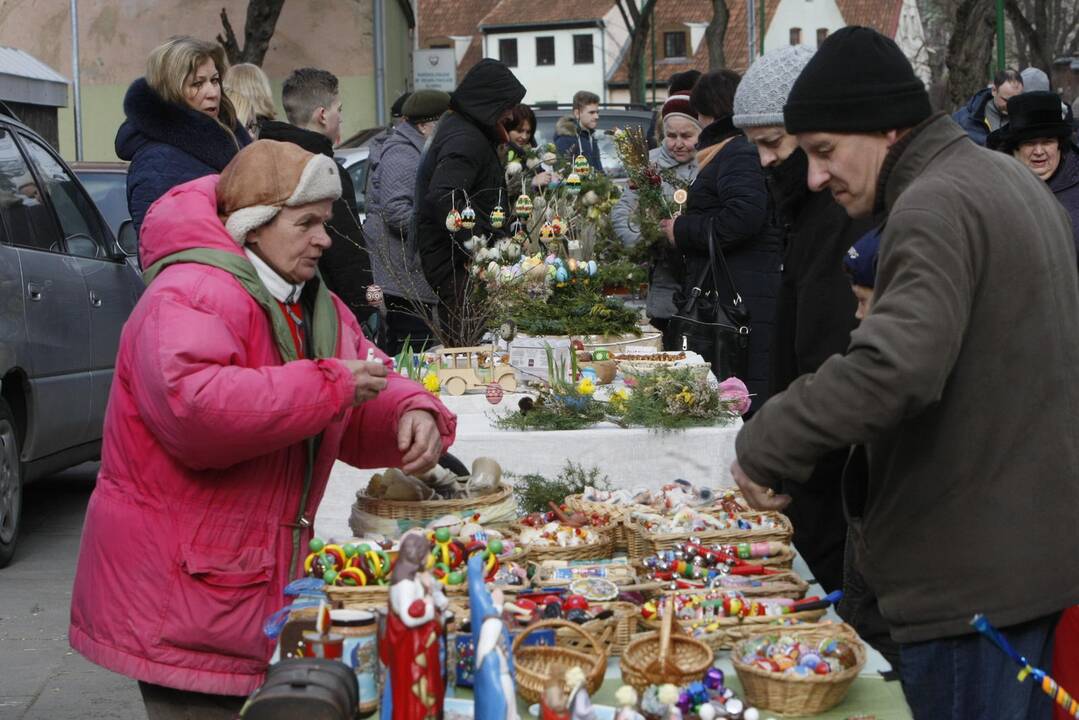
(573, 182)
(581, 166)
(498, 217)
(494, 393)
(453, 221)
(455, 578)
(316, 545)
(375, 295)
(495, 545)
(523, 206)
(468, 218)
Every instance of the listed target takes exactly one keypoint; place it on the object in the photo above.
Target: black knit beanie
(858, 81)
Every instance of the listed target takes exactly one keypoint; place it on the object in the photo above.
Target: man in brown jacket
(962, 384)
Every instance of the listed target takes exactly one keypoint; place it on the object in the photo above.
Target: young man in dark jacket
(313, 109)
(460, 168)
(987, 110)
(962, 383)
(576, 134)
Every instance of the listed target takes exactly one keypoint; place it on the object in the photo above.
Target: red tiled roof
(881, 15)
(531, 12)
(440, 19)
(670, 15)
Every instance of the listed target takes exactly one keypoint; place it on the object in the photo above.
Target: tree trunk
(259, 26)
(970, 49)
(639, 24)
(717, 33)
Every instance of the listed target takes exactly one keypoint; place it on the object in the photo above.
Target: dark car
(107, 184)
(610, 117)
(65, 292)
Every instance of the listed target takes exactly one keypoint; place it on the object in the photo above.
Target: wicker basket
(795, 694)
(733, 630)
(599, 550)
(614, 632)
(407, 514)
(533, 663)
(546, 572)
(664, 657)
(649, 543)
(617, 515)
(786, 584)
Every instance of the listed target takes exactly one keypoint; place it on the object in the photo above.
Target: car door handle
(95, 299)
(35, 290)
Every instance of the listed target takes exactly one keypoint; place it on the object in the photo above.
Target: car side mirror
(127, 239)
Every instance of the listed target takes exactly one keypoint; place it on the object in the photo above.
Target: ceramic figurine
(493, 676)
(411, 646)
(580, 704)
(626, 697)
(554, 705)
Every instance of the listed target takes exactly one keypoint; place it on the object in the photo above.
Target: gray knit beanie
(1034, 80)
(763, 91)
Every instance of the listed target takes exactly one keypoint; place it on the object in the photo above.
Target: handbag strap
(718, 262)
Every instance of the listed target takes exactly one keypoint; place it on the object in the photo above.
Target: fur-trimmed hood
(150, 118)
(567, 127)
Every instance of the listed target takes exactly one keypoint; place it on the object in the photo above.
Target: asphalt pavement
(41, 677)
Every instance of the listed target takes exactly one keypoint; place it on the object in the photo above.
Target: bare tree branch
(232, 48)
(717, 33)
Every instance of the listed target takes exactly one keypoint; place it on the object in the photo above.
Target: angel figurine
(626, 697)
(493, 683)
(411, 647)
(580, 704)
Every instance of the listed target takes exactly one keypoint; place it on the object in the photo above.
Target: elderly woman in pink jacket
(240, 380)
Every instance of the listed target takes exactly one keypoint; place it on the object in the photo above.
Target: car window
(108, 190)
(358, 172)
(83, 232)
(27, 221)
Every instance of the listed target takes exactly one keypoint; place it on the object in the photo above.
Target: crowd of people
(908, 299)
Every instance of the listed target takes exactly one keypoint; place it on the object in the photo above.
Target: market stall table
(630, 457)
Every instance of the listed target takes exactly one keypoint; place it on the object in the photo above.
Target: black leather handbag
(308, 688)
(711, 325)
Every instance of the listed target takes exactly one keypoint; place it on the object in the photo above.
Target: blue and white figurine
(493, 677)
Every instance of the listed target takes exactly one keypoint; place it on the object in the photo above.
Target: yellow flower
(431, 382)
(586, 387)
(619, 398)
(686, 396)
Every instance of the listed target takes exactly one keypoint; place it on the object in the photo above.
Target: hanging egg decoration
(453, 221)
(558, 226)
(523, 206)
(374, 295)
(547, 232)
(468, 218)
(561, 275)
(573, 183)
(581, 166)
(498, 217)
(494, 393)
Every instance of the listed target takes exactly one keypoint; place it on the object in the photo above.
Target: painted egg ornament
(523, 206)
(468, 218)
(573, 183)
(494, 393)
(453, 221)
(592, 268)
(581, 166)
(571, 264)
(549, 158)
(547, 232)
(374, 295)
(513, 168)
(558, 225)
(601, 354)
(498, 217)
(561, 275)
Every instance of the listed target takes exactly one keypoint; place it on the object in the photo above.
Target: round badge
(494, 393)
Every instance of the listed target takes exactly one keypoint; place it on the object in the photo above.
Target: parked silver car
(65, 292)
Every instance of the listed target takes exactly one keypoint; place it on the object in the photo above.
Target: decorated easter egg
(453, 221)
(561, 275)
(601, 354)
(558, 225)
(581, 166)
(374, 295)
(590, 373)
(573, 182)
(572, 265)
(468, 218)
(498, 217)
(547, 232)
(494, 393)
(592, 268)
(523, 206)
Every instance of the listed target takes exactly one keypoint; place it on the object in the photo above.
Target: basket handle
(555, 625)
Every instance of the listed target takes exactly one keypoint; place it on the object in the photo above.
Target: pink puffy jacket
(189, 532)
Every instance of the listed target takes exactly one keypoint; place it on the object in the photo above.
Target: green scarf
(324, 321)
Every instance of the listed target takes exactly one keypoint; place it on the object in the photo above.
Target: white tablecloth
(632, 457)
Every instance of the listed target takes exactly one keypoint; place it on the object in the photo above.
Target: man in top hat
(962, 382)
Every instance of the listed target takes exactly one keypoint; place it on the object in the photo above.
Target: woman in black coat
(730, 199)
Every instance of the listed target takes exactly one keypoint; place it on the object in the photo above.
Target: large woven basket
(794, 694)
(533, 663)
(602, 549)
(664, 657)
(725, 632)
(493, 510)
(649, 543)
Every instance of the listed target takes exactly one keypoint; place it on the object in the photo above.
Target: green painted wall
(398, 54)
(103, 112)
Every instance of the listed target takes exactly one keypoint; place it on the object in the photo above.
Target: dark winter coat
(1065, 185)
(571, 140)
(345, 265)
(814, 319)
(979, 116)
(963, 383)
(462, 159)
(730, 196)
(168, 145)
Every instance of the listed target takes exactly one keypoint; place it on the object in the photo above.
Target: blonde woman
(180, 125)
(249, 90)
